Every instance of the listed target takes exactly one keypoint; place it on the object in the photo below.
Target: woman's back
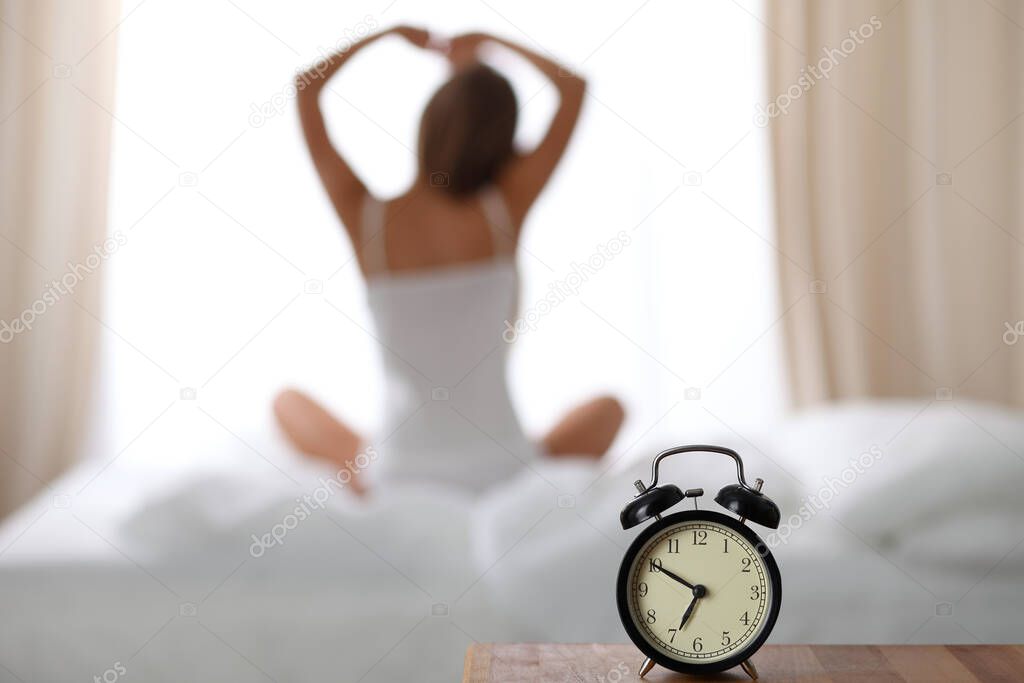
(426, 230)
(448, 413)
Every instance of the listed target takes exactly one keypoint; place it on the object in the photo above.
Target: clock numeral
(697, 644)
(726, 639)
(746, 565)
(651, 618)
(700, 537)
(673, 545)
(745, 619)
(755, 592)
(642, 588)
(655, 565)
(725, 547)
(673, 638)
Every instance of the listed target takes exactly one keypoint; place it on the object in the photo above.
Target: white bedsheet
(151, 567)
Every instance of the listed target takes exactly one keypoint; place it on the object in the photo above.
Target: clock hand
(699, 592)
(677, 578)
(687, 613)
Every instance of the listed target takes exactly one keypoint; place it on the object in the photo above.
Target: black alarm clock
(698, 591)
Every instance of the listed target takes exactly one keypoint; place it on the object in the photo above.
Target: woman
(441, 278)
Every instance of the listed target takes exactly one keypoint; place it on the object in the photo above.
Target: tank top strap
(373, 246)
(499, 221)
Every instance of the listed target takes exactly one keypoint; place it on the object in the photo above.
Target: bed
(165, 568)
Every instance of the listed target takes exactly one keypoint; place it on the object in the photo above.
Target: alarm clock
(698, 591)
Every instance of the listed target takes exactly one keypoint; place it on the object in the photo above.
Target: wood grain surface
(583, 663)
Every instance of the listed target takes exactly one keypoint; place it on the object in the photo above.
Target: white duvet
(233, 572)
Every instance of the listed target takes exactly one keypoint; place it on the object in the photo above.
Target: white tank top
(448, 414)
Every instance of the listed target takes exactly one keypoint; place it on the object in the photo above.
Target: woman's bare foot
(588, 429)
(315, 432)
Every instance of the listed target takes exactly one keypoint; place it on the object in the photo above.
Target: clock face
(697, 591)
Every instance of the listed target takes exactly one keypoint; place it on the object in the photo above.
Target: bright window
(229, 232)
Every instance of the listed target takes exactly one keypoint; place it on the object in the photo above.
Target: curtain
(896, 130)
(56, 93)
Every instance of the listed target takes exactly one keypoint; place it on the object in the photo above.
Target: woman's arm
(526, 176)
(343, 186)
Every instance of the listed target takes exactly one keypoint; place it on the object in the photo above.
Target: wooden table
(581, 663)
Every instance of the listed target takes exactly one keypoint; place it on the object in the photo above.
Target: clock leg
(748, 667)
(645, 667)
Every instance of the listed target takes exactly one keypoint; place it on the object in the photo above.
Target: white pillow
(889, 470)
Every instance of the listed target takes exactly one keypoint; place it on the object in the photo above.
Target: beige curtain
(898, 195)
(56, 81)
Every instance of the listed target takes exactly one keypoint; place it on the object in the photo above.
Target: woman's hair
(467, 130)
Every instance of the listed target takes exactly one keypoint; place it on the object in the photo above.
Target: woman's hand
(462, 49)
(417, 36)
